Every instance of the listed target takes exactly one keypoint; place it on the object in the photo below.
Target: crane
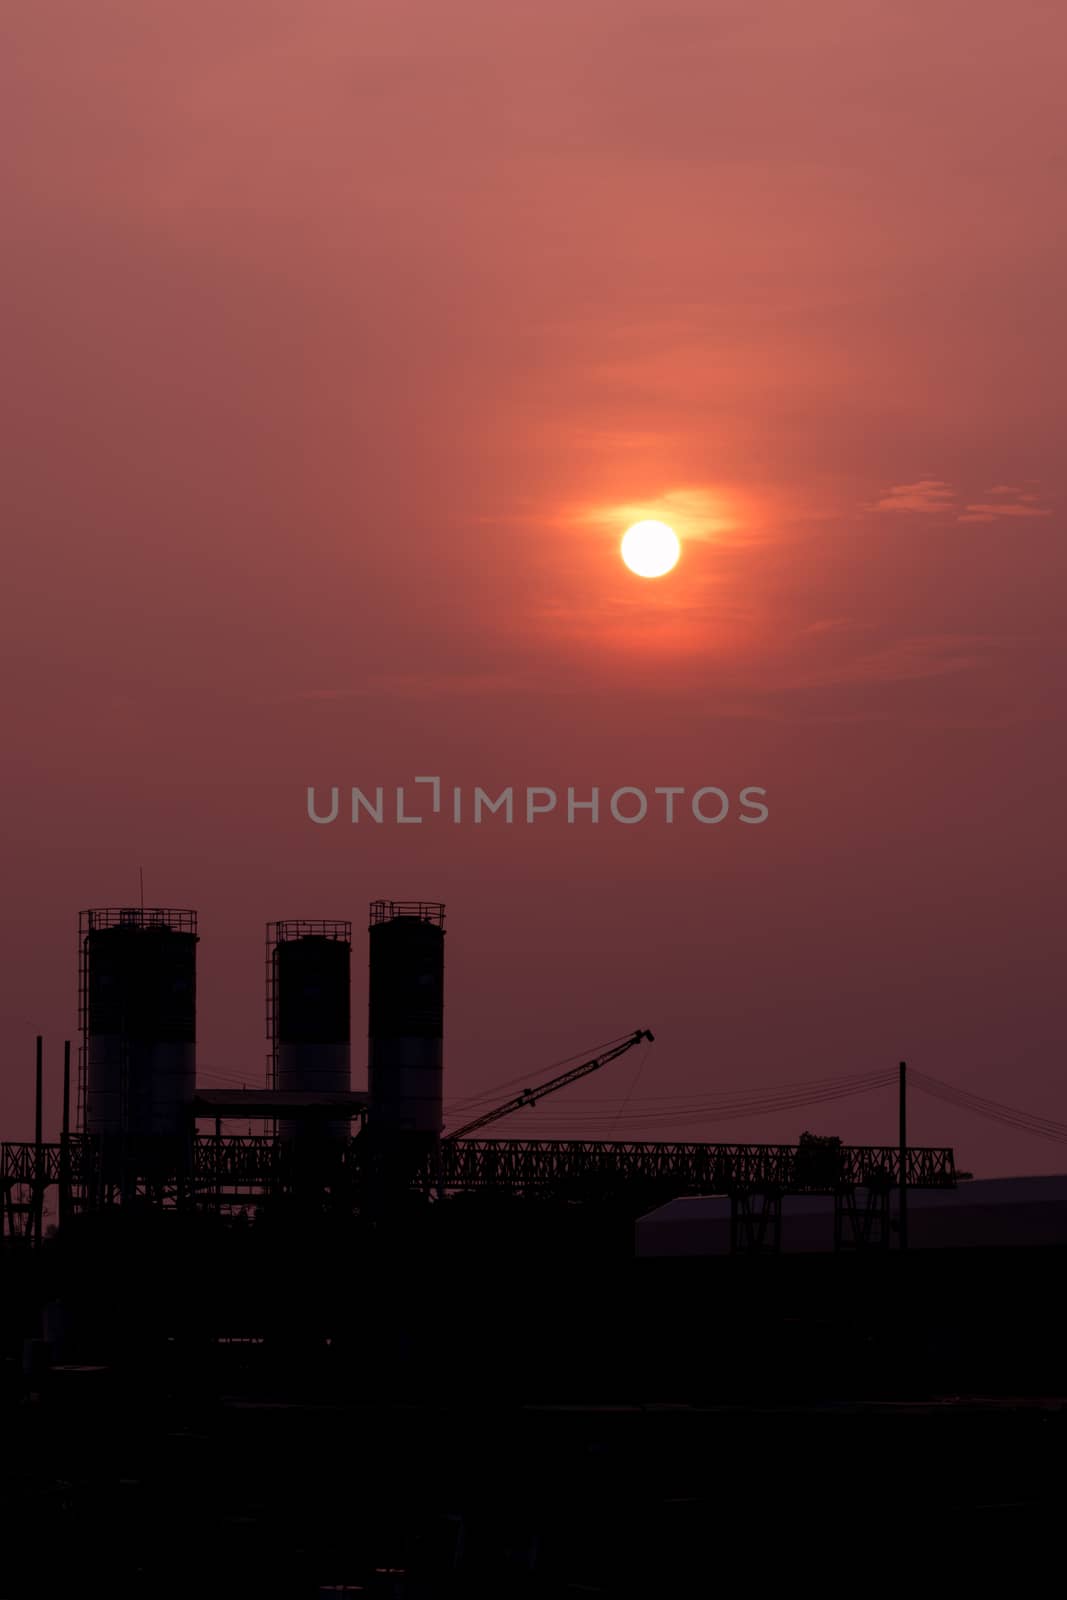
(530, 1097)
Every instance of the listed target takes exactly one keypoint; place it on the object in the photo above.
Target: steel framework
(231, 1171)
(425, 910)
(527, 1164)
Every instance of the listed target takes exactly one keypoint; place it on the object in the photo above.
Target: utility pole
(903, 1216)
(38, 1139)
(64, 1146)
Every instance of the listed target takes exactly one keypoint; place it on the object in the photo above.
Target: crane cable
(473, 1103)
(633, 1085)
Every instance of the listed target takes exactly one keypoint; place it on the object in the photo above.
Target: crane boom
(530, 1097)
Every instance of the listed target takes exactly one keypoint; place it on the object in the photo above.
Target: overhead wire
(230, 1079)
(995, 1110)
(744, 1098)
(817, 1092)
(731, 1108)
(730, 1112)
(475, 1101)
(657, 1110)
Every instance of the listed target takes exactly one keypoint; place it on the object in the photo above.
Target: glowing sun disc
(650, 549)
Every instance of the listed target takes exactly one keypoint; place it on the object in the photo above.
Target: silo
(309, 1013)
(138, 1018)
(407, 949)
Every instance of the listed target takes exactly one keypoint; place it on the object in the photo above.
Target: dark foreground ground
(411, 1428)
(269, 1497)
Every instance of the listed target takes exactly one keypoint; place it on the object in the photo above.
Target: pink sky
(340, 342)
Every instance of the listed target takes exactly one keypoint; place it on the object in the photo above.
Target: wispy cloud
(695, 512)
(933, 496)
(906, 660)
(825, 625)
(1005, 501)
(419, 686)
(925, 495)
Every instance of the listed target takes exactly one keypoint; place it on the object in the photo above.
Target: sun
(650, 549)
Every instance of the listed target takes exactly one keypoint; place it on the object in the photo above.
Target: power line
(995, 1110)
(712, 1111)
(743, 1099)
(475, 1101)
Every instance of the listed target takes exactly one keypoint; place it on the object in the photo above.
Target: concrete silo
(138, 1020)
(309, 1014)
(407, 946)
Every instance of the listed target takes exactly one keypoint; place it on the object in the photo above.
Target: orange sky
(341, 342)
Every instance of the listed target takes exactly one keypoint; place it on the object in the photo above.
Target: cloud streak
(933, 497)
(925, 495)
(1007, 501)
(695, 512)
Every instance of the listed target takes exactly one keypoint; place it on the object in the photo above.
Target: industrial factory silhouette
(139, 1132)
(271, 1333)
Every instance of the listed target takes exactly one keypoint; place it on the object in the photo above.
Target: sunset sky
(343, 340)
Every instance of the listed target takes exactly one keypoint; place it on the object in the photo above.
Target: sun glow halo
(650, 549)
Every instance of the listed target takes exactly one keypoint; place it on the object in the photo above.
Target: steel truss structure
(234, 1172)
(559, 1164)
